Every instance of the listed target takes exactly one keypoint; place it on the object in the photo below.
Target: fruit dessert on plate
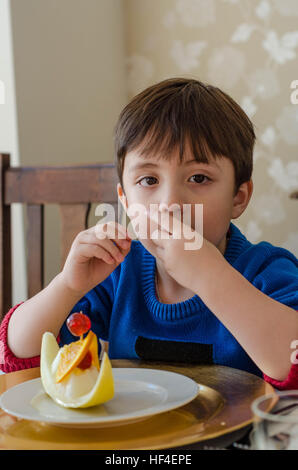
(72, 375)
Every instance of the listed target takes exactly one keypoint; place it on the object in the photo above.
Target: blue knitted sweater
(124, 309)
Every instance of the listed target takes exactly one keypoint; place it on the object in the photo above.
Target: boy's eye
(147, 178)
(200, 177)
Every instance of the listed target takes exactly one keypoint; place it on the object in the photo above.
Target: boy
(229, 302)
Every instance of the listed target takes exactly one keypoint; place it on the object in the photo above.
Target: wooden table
(222, 408)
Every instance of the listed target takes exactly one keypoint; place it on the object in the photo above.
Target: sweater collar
(187, 308)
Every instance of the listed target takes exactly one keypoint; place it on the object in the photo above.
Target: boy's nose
(182, 211)
(170, 200)
(170, 207)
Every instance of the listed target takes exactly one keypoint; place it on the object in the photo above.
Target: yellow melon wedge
(101, 392)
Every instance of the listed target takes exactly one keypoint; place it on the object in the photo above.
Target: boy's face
(163, 183)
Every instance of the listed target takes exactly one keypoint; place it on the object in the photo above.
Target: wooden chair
(73, 188)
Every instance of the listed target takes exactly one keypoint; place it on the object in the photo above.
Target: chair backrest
(73, 188)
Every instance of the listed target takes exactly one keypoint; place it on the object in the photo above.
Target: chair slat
(73, 188)
(35, 251)
(74, 219)
(61, 185)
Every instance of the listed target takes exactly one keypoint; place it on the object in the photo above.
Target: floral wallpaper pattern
(248, 48)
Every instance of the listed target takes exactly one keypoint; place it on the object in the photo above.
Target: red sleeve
(8, 361)
(290, 383)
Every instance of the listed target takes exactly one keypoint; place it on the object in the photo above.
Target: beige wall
(70, 87)
(249, 48)
(9, 144)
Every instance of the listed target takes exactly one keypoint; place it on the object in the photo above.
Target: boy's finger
(179, 228)
(124, 244)
(167, 233)
(155, 217)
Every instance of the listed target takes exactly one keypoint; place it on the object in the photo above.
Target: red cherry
(78, 323)
(86, 361)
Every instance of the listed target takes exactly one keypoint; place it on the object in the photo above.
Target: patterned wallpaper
(249, 49)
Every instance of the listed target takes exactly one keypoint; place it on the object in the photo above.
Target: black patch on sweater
(173, 351)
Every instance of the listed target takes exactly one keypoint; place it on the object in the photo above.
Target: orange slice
(93, 348)
(72, 354)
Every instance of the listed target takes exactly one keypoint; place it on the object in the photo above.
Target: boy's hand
(194, 269)
(94, 254)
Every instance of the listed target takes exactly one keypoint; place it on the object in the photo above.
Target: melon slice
(72, 387)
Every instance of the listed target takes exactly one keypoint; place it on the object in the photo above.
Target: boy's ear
(242, 198)
(122, 197)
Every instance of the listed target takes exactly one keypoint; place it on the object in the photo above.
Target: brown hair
(179, 108)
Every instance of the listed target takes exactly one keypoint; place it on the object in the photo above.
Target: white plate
(139, 394)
